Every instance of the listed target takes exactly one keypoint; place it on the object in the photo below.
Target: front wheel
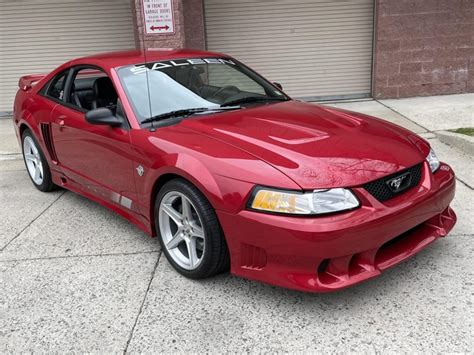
(189, 232)
(36, 163)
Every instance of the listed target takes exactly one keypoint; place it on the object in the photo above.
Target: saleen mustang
(230, 172)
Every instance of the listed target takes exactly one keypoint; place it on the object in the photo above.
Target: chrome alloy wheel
(33, 160)
(181, 230)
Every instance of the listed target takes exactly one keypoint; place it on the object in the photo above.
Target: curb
(462, 142)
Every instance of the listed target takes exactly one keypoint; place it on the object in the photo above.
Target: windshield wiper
(186, 112)
(252, 99)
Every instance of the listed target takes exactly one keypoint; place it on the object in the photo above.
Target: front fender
(223, 173)
(189, 168)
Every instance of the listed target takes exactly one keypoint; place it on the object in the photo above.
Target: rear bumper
(332, 252)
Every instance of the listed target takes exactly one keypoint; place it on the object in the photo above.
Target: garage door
(316, 49)
(37, 36)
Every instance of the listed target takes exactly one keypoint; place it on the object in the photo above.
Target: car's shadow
(397, 280)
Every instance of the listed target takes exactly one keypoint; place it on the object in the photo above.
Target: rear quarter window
(55, 87)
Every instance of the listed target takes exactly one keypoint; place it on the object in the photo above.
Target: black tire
(216, 258)
(47, 184)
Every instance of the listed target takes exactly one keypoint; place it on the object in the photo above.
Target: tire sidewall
(201, 205)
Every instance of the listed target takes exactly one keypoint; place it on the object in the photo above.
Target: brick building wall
(423, 47)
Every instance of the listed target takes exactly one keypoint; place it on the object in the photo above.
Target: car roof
(110, 60)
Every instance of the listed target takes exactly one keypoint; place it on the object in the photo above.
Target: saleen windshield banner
(179, 63)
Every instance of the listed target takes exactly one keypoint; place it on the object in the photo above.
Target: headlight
(309, 203)
(433, 160)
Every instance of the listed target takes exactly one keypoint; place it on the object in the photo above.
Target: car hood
(316, 146)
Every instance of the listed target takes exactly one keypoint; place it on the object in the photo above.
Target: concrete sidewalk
(76, 277)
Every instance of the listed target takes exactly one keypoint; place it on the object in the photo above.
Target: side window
(92, 89)
(56, 87)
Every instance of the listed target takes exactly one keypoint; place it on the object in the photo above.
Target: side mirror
(278, 85)
(103, 116)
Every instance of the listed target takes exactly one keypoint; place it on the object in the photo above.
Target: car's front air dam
(331, 252)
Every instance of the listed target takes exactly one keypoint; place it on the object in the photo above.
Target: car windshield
(157, 88)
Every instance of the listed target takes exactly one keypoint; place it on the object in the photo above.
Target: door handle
(60, 120)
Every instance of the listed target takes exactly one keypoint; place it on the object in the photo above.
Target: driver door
(96, 159)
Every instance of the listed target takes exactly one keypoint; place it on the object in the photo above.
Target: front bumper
(327, 253)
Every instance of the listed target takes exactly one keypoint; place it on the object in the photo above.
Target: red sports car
(230, 172)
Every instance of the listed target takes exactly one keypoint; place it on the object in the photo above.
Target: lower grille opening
(351, 269)
(391, 248)
(354, 266)
(323, 265)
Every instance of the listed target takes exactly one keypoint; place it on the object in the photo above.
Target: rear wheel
(189, 232)
(36, 163)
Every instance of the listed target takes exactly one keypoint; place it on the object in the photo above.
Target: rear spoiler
(28, 81)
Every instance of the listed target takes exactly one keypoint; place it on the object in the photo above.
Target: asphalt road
(77, 277)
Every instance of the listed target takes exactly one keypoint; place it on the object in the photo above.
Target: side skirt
(138, 220)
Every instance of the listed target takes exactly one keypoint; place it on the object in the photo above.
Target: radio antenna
(145, 50)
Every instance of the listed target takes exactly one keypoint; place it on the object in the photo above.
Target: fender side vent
(46, 132)
(252, 257)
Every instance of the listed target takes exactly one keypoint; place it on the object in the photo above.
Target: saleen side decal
(138, 69)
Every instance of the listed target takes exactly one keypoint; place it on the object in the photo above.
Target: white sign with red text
(158, 16)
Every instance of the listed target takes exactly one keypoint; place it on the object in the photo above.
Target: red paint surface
(289, 145)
